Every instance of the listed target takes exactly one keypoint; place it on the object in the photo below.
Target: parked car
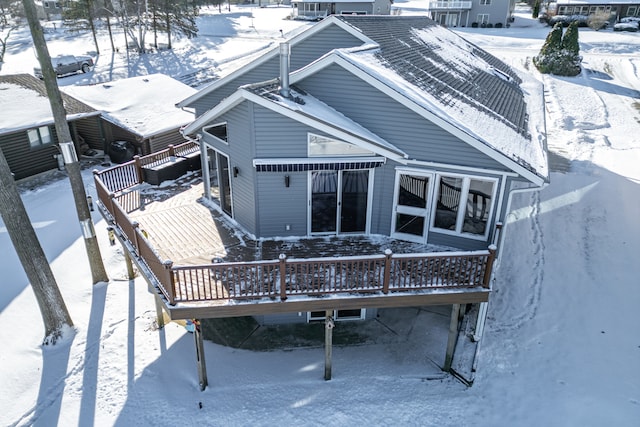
(635, 19)
(67, 64)
(626, 26)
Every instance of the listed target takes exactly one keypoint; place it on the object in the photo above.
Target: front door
(339, 201)
(411, 206)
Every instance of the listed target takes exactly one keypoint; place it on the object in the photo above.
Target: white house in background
(616, 8)
(313, 10)
(494, 13)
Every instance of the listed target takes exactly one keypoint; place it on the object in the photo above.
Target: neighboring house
(616, 9)
(313, 10)
(467, 13)
(53, 9)
(140, 110)
(404, 130)
(27, 134)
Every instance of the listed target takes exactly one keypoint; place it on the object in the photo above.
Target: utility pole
(67, 148)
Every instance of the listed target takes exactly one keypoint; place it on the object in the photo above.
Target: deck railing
(462, 5)
(283, 278)
(129, 174)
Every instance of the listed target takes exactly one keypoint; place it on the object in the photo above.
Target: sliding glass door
(339, 201)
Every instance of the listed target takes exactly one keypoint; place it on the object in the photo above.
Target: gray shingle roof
(422, 62)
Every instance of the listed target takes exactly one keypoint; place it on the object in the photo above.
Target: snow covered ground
(561, 347)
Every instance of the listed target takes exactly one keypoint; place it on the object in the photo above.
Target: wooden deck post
(138, 165)
(489, 268)
(387, 271)
(453, 337)
(283, 276)
(328, 343)
(202, 366)
(159, 312)
(127, 259)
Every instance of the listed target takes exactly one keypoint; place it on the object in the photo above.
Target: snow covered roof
(25, 97)
(144, 105)
(305, 109)
(446, 79)
(450, 78)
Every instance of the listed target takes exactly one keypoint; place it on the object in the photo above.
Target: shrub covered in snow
(560, 54)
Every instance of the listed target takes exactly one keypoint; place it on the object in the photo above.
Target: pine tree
(536, 9)
(549, 53)
(560, 54)
(570, 64)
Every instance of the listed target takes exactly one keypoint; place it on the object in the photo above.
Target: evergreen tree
(570, 63)
(570, 39)
(549, 53)
(560, 54)
(536, 9)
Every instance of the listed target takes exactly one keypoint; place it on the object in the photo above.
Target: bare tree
(52, 307)
(98, 271)
(8, 23)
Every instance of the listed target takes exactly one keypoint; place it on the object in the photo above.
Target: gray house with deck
(314, 11)
(455, 13)
(361, 129)
(388, 125)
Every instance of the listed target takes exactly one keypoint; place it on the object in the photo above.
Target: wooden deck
(202, 266)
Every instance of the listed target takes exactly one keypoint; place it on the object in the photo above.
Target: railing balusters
(227, 281)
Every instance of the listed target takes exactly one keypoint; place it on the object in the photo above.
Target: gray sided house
(397, 127)
(27, 134)
(313, 10)
(467, 13)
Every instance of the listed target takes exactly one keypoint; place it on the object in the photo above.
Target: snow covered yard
(561, 345)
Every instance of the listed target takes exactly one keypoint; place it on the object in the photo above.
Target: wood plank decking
(203, 265)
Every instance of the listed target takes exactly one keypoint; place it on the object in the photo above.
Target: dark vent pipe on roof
(285, 52)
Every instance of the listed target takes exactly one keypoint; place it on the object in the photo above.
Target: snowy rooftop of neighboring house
(144, 105)
(25, 98)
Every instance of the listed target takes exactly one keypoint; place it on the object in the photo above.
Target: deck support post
(328, 343)
(127, 259)
(202, 366)
(480, 321)
(159, 312)
(453, 337)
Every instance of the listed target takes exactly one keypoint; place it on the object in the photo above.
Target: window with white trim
(218, 131)
(39, 137)
(483, 18)
(485, 2)
(319, 146)
(463, 204)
